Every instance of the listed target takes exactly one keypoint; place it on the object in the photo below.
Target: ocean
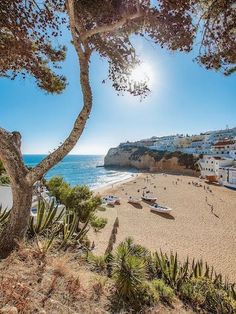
(83, 170)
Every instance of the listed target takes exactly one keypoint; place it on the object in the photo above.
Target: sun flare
(142, 73)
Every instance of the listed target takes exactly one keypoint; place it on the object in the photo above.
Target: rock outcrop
(155, 161)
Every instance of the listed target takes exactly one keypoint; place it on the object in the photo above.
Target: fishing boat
(230, 186)
(160, 209)
(149, 198)
(111, 200)
(133, 200)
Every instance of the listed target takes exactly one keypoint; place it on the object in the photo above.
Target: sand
(201, 225)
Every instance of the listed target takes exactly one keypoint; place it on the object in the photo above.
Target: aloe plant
(171, 270)
(46, 218)
(70, 225)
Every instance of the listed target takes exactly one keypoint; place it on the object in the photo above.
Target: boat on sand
(111, 199)
(160, 209)
(149, 198)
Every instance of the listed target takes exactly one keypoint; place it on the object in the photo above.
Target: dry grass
(32, 282)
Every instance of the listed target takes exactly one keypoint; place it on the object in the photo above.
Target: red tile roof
(224, 142)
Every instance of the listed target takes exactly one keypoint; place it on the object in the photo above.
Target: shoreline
(101, 189)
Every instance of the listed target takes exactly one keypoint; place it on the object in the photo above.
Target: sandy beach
(201, 225)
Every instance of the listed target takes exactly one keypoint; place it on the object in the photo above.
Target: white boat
(230, 185)
(149, 198)
(112, 198)
(133, 200)
(160, 209)
(109, 201)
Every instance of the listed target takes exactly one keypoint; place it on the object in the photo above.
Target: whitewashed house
(210, 166)
(224, 147)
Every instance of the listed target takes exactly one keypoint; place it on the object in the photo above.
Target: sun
(142, 73)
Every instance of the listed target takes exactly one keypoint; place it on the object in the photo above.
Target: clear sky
(185, 98)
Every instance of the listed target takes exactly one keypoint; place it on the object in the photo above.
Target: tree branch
(55, 157)
(111, 27)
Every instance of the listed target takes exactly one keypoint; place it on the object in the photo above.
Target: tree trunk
(17, 225)
(22, 179)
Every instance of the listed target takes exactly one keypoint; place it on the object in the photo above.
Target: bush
(148, 295)
(201, 292)
(142, 278)
(129, 275)
(56, 185)
(4, 179)
(98, 223)
(166, 293)
(97, 263)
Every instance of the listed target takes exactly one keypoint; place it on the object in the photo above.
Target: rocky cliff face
(146, 159)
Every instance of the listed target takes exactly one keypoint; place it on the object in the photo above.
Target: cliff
(155, 161)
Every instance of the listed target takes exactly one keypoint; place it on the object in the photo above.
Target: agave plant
(170, 270)
(72, 232)
(47, 218)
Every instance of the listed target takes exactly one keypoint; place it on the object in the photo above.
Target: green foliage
(71, 224)
(81, 206)
(4, 179)
(129, 274)
(47, 219)
(166, 292)
(202, 293)
(4, 214)
(97, 263)
(98, 223)
(171, 270)
(142, 278)
(2, 169)
(56, 185)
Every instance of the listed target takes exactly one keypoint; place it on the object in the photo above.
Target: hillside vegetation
(56, 269)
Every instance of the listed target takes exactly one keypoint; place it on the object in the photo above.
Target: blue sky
(185, 98)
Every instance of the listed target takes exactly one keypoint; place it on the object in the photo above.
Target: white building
(166, 143)
(215, 136)
(224, 147)
(227, 176)
(210, 166)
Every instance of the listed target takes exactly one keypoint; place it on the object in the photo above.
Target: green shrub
(98, 223)
(202, 293)
(170, 269)
(55, 186)
(2, 169)
(46, 220)
(166, 293)
(147, 295)
(4, 214)
(4, 179)
(129, 271)
(97, 263)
